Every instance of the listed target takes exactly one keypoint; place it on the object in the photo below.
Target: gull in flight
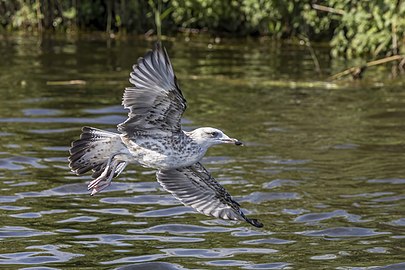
(152, 137)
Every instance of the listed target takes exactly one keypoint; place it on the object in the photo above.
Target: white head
(208, 137)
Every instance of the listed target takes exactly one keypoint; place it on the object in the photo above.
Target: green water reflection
(323, 167)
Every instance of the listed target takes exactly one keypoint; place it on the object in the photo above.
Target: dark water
(323, 167)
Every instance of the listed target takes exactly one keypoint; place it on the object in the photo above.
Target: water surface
(323, 167)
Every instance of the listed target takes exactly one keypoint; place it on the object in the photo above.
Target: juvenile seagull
(152, 137)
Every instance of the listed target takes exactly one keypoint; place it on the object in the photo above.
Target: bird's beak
(231, 140)
(239, 143)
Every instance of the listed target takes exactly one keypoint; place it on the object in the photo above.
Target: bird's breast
(164, 154)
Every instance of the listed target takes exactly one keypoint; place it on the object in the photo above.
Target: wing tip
(158, 45)
(254, 222)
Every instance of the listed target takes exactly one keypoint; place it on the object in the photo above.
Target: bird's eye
(214, 134)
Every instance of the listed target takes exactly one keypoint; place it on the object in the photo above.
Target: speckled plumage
(152, 137)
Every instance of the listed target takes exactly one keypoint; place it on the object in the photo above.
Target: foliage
(369, 28)
(274, 18)
(353, 27)
(25, 16)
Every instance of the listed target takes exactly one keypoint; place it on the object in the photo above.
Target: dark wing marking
(156, 102)
(194, 186)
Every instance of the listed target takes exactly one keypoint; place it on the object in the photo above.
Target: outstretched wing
(155, 102)
(194, 186)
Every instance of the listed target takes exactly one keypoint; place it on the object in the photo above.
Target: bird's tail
(102, 152)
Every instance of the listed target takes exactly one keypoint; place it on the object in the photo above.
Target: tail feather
(93, 149)
(97, 150)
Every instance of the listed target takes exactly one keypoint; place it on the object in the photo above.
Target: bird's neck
(197, 140)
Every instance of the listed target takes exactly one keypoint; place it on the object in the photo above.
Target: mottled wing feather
(194, 186)
(155, 101)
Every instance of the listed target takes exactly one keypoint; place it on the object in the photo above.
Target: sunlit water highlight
(323, 167)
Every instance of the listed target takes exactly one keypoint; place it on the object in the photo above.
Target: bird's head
(208, 136)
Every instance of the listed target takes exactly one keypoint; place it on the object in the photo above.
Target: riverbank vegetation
(352, 28)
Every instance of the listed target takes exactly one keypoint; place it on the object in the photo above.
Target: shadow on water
(322, 167)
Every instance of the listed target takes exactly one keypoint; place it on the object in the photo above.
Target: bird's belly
(162, 161)
(161, 158)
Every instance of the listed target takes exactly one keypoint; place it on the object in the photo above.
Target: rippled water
(323, 167)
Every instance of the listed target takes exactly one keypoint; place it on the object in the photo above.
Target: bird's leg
(99, 179)
(102, 176)
(121, 169)
(97, 184)
(103, 183)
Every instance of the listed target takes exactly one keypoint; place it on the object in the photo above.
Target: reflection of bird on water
(152, 137)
